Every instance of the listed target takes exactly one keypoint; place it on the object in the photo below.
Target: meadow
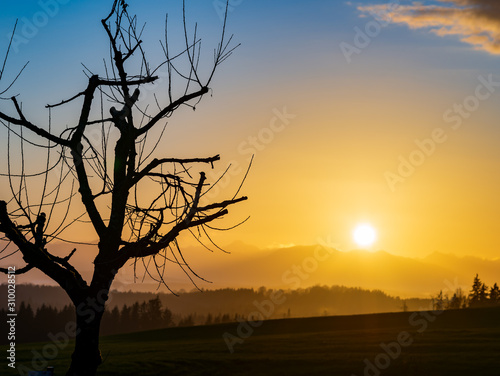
(455, 342)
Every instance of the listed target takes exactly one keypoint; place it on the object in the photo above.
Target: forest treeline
(480, 295)
(230, 305)
(40, 324)
(128, 312)
(312, 301)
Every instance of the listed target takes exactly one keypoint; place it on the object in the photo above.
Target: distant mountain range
(304, 266)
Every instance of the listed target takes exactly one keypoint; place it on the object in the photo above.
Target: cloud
(476, 22)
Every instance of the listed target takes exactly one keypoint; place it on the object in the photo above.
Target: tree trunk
(86, 356)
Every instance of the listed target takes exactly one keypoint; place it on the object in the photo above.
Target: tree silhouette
(439, 302)
(209, 320)
(474, 295)
(187, 321)
(483, 294)
(458, 300)
(495, 294)
(135, 314)
(111, 321)
(125, 316)
(479, 293)
(137, 204)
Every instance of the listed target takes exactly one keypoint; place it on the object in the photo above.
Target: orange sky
(329, 136)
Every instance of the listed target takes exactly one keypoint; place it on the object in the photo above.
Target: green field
(465, 342)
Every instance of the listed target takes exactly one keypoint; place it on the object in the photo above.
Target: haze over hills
(301, 267)
(313, 301)
(304, 266)
(487, 269)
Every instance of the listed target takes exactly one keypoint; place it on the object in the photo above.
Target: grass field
(465, 342)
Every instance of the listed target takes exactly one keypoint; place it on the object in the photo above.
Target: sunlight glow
(364, 235)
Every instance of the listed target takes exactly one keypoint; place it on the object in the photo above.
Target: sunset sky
(356, 111)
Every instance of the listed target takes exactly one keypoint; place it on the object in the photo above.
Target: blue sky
(325, 172)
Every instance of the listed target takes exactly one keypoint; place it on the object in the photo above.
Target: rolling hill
(458, 343)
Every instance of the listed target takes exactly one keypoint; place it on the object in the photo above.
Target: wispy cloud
(476, 22)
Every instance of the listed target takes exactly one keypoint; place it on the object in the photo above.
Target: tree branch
(25, 123)
(66, 100)
(165, 241)
(222, 204)
(171, 107)
(101, 82)
(139, 81)
(26, 269)
(77, 154)
(157, 162)
(64, 261)
(36, 255)
(145, 247)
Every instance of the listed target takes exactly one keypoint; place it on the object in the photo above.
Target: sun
(364, 235)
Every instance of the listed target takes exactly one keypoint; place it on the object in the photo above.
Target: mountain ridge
(302, 266)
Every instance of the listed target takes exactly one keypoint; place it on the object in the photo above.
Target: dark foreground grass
(454, 343)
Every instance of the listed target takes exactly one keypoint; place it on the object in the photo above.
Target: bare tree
(136, 203)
